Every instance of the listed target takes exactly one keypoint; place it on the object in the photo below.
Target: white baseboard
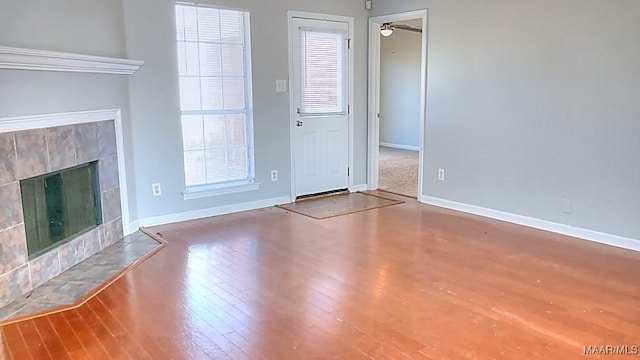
(399, 146)
(215, 211)
(361, 187)
(591, 235)
(133, 227)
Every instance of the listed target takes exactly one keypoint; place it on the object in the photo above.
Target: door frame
(373, 120)
(292, 106)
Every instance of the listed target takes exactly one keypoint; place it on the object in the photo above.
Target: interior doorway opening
(397, 93)
(399, 120)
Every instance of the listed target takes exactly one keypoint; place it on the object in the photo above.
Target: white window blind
(215, 95)
(323, 69)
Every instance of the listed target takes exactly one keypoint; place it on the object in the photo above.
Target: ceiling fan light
(386, 30)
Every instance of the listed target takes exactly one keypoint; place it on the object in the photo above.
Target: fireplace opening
(59, 205)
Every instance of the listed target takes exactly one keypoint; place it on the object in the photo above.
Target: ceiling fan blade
(406, 27)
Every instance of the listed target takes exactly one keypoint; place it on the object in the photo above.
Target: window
(215, 96)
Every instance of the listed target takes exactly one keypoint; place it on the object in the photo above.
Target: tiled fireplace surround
(28, 153)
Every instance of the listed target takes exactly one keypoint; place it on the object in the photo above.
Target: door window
(323, 71)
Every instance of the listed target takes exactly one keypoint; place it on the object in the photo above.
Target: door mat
(337, 205)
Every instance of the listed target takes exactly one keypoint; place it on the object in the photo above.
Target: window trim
(202, 191)
(233, 186)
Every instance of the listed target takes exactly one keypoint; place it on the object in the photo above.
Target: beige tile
(5, 289)
(13, 248)
(71, 253)
(91, 241)
(44, 268)
(32, 153)
(108, 173)
(61, 146)
(10, 205)
(14, 284)
(86, 142)
(111, 208)
(21, 280)
(106, 139)
(8, 171)
(112, 232)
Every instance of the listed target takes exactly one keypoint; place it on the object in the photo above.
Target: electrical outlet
(157, 190)
(567, 206)
(274, 175)
(441, 174)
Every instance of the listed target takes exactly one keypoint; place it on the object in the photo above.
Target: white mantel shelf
(43, 60)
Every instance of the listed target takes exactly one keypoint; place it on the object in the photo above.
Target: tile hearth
(73, 285)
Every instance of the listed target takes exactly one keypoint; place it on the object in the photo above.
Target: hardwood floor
(403, 282)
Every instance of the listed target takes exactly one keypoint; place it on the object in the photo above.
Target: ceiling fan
(387, 28)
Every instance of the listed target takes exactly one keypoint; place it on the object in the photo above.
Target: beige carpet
(398, 171)
(336, 205)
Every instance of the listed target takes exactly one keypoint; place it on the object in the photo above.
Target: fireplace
(39, 150)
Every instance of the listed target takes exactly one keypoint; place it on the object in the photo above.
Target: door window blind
(323, 68)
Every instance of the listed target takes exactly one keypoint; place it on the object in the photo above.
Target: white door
(320, 93)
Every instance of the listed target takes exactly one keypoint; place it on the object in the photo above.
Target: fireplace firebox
(59, 205)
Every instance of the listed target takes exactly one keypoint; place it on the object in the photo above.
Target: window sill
(219, 190)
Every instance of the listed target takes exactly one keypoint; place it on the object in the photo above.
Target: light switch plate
(281, 85)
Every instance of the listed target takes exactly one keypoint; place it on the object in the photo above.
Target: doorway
(397, 93)
(321, 81)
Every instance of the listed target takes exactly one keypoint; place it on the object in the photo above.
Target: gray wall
(400, 56)
(529, 103)
(144, 30)
(93, 27)
(150, 36)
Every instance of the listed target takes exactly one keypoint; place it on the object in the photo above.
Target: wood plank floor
(403, 282)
